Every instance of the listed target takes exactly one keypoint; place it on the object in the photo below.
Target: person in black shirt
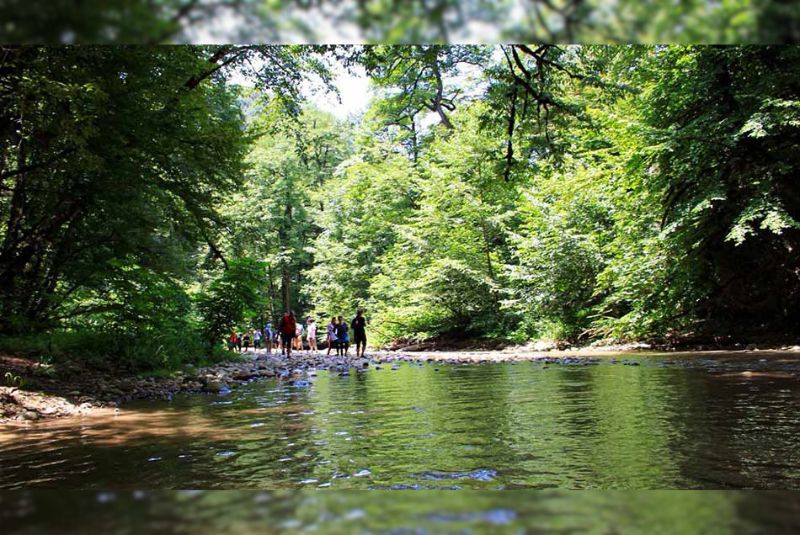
(359, 326)
(343, 337)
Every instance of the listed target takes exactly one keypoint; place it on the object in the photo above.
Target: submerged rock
(215, 386)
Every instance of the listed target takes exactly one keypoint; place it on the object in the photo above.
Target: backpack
(288, 325)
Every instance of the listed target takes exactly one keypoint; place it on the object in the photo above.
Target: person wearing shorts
(342, 337)
(269, 337)
(332, 335)
(298, 338)
(287, 329)
(312, 335)
(359, 327)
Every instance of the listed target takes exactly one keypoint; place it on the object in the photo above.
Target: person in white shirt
(312, 335)
(298, 339)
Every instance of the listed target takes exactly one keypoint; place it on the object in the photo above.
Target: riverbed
(644, 421)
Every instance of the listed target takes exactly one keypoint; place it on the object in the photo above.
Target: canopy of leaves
(515, 192)
(390, 21)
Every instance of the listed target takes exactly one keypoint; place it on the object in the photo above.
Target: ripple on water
(477, 475)
(495, 517)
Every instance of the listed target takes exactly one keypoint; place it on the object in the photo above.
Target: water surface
(667, 423)
(402, 512)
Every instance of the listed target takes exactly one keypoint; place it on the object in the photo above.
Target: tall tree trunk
(285, 283)
(438, 104)
(271, 294)
(286, 277)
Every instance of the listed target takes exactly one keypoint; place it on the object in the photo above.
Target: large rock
(30, 415)
(242, 375)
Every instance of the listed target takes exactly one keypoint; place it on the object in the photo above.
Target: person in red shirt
(287, 328)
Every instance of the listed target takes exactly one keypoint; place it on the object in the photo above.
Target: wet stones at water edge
(81, 390)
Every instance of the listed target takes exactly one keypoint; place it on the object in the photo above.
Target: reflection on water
(663, 424)
(564, 512)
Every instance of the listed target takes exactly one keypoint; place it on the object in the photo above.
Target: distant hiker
(287, 327)
(359, 326)
(343, 337)
(257, 339)
(239, 342)
(331, 335)
(232, 342)
(298, 338)
(246, 341)
(312, 335)
(269, 337)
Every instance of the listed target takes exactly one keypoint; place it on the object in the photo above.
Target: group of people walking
(289, 335)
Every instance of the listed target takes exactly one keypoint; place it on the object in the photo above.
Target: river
(401, 512)
(656, 422)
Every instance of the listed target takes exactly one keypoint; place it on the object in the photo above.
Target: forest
(153, 198)
(400, 22)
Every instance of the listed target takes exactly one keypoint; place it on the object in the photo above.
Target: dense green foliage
(113, 164)
(391, 21)
(577, 193)
(507, 192)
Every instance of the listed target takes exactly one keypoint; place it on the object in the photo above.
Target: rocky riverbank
(35, 392)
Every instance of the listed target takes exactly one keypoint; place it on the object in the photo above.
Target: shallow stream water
(401, 512)
(659, 422)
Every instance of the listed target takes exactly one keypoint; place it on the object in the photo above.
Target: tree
(230, 299)
(371, 194)
(273, 216)
(727, 121)
(100, 171)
